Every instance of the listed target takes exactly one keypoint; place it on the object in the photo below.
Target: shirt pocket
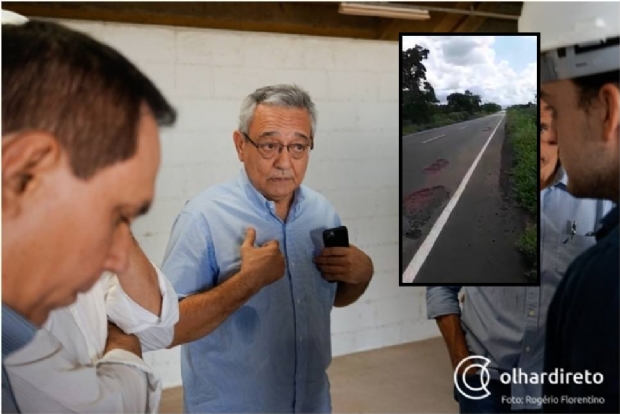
(569, 248)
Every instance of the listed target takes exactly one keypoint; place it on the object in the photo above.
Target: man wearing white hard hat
(580, 73)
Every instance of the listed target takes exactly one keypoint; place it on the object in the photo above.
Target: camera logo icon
(471, 391)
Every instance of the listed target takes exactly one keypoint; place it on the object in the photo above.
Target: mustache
(282, 174)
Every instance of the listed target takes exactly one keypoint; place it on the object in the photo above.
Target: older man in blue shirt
(257, 319)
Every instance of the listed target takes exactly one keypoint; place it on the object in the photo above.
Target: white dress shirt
(64, 369)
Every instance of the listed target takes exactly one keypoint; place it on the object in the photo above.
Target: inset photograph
(469, 160)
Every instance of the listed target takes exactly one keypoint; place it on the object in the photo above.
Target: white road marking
(463, 127)
(429, 140)
(418, 260)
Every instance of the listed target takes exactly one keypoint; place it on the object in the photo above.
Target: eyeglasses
(270, 149)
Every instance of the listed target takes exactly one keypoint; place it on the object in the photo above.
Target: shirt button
(527, 349)
(298, 301)
(532, 313)
(300, 339)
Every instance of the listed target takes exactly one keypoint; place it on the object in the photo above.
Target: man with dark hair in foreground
(80, 153)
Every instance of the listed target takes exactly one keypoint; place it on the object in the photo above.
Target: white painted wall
(354, 83)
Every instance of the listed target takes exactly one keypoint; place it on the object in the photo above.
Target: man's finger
(274, 243)
(330, 260)
(335, 251)
(331, 269)
(250, 237)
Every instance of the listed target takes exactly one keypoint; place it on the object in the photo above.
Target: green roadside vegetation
(522, 133)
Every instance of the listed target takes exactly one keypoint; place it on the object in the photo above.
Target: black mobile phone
(336, 237)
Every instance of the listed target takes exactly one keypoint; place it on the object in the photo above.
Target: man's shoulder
(594, 271)
(212, 196)
(315, 198)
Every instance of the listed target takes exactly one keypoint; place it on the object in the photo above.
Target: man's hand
(262, 265)
(117, 339)
(457, 360)
(345, 264)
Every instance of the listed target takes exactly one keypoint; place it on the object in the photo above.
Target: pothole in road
(418, 208)
(435, 167)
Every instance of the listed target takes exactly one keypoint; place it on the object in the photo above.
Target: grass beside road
(440, 120)
(521, 128)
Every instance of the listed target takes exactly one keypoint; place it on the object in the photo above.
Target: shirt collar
(561, 178)
(17, 331)
(608, 223)
(259, 200)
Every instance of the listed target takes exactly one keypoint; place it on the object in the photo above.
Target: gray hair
(290, 96)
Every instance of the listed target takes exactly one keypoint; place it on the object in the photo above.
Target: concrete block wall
(207, 73)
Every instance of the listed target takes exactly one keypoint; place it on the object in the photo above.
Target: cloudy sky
(501, 69)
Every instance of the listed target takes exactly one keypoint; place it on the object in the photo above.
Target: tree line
(419, 102)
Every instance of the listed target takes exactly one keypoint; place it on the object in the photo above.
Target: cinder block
(171, 182)
(237, 83)
(93, 29)
(210, 47)
(379, 116)
(261, 53)
(194, 81)
(318, 53)
(378, 230)
(314, 82)
(353, 204)
(159, 220)
(389, 86)
(353, 86)
(153, 44)
(162, 75)
(387, 201)
(385, 259)
(206, 115)
(336, 116)
(348, 145)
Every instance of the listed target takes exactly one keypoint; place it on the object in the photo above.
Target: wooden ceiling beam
(473, 23)
(319, 19)
(315, 19)
(452, 20)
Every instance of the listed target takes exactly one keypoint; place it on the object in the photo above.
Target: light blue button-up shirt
(507, 324)
(17, 332)
(272, 354)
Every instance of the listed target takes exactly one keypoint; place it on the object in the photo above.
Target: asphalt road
(475, 242)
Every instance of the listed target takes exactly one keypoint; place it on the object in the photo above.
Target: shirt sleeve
(45, 379)
(442, 300)
(189, 261)
(155, 332)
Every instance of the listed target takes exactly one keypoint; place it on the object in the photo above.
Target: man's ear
(610, 95)
(239, 144)
(26, 158)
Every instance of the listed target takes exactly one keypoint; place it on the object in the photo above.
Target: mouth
(279, 179)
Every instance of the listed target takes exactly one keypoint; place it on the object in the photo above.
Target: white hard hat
(9, 17)
(576, 38)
